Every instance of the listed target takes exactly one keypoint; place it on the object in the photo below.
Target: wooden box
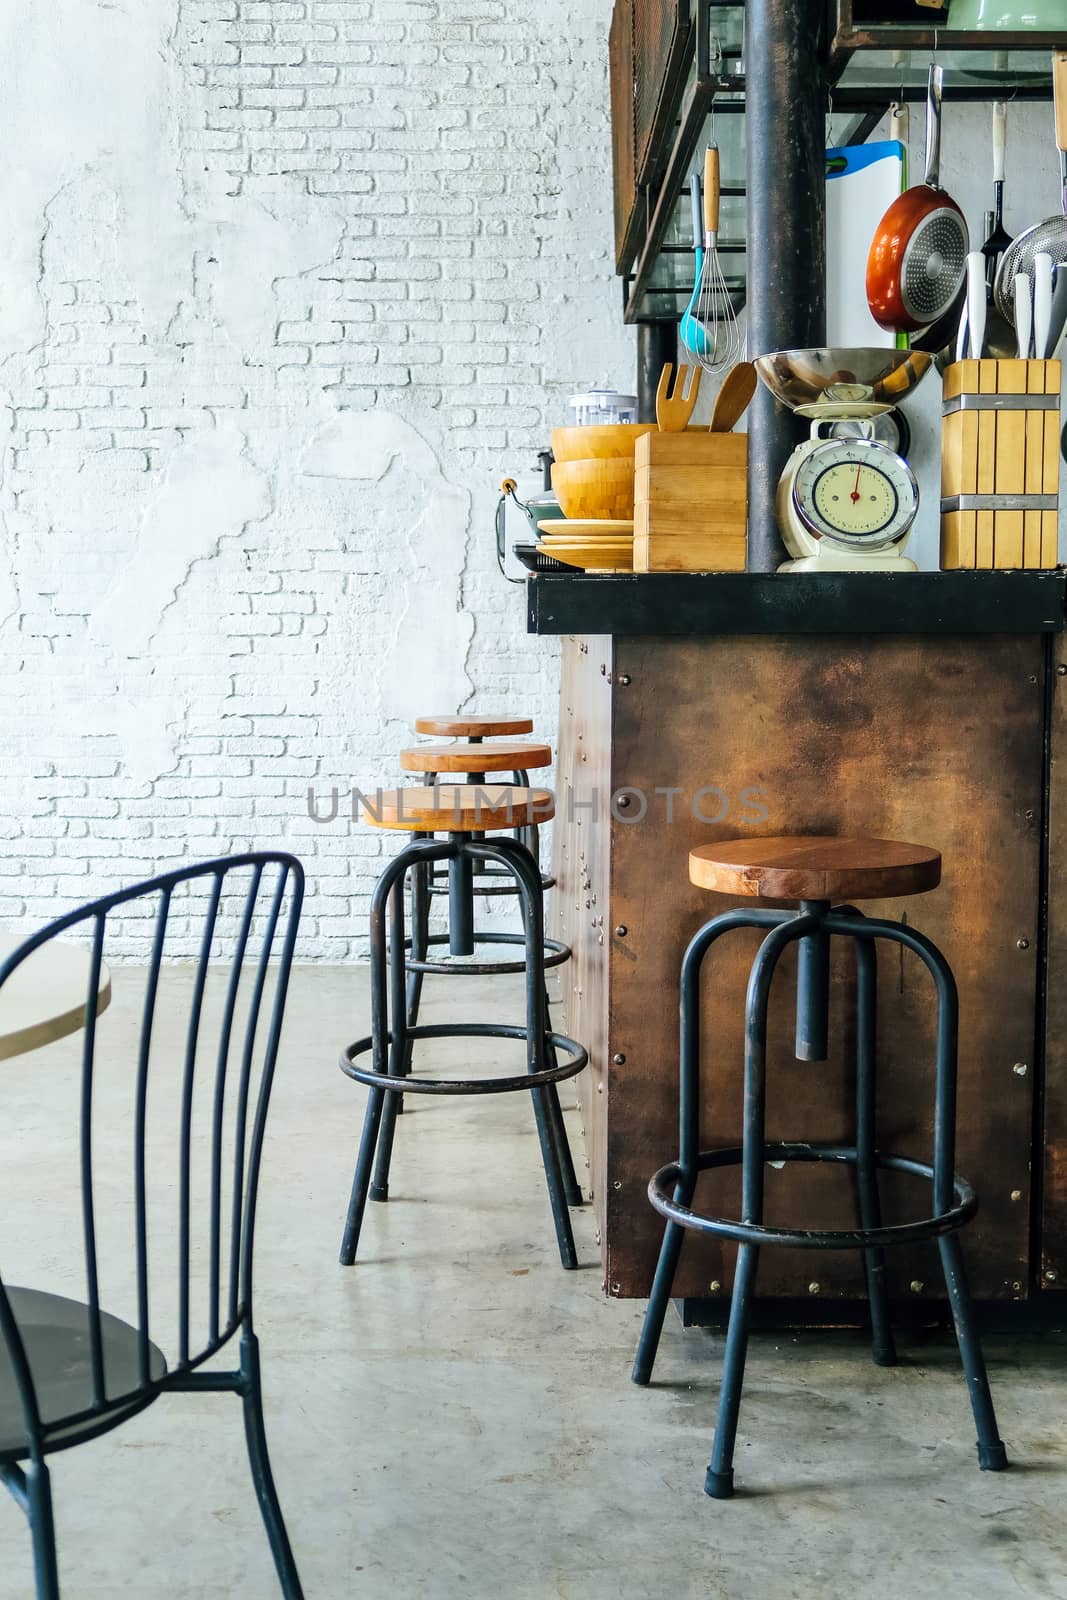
(690, 502)
(1000, 464)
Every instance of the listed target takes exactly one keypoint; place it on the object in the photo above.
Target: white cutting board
(862, 181)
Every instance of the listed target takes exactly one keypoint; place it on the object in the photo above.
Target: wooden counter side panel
(931, 740)
(578, 909)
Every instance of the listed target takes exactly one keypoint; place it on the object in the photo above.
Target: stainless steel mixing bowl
(842, 382)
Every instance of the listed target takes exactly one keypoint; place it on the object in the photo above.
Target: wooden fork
(674, 409)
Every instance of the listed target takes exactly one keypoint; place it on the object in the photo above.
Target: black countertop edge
(670, 603)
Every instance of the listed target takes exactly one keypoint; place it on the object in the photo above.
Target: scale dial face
(857, 493)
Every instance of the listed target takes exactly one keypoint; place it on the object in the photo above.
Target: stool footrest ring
(395, 1084)
(554, 955)
(663, 1184)
(487, 883)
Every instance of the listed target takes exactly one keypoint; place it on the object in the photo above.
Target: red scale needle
(856, 491)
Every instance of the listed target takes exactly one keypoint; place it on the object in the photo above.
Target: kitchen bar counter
(924, 707)
(671, 604)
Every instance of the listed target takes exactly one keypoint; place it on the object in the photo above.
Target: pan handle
(934, 92)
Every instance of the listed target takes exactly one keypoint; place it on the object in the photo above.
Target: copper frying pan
(918, 258)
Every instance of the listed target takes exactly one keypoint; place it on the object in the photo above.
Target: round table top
(44, 998)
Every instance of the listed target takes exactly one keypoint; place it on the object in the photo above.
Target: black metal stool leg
(571, 1186)
(399, 1046)
(883, 1350)
(420, 932)
(357, 1205)
(390, 881)
(531, 899)
(719, 1480)
(688, 1123)
(992, 1455)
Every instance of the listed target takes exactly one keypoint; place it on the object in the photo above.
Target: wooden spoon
(732, 400)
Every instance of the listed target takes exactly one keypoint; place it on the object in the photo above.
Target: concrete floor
(454, 1417)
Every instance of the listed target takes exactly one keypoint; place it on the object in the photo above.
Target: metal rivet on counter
(715, 1286)
(621, 931)
(603, 669)
(916, 1286)
(1016, 1287)
(813, 1288)
(1020, 1069)
(1061, 670)
(1033, 677)
(1016, 1194)
(619, 1060)
(1029, 815)
(1022, 944)
(624, 679)
(623, 801)
(1050, 1276)
(617, 1184)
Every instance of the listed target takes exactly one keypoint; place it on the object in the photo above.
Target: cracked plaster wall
(286, 286)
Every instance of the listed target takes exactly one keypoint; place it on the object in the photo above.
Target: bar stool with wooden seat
(475, 759)
(815, 873)
(466, 814)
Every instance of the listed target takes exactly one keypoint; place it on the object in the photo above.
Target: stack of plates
(592, 545)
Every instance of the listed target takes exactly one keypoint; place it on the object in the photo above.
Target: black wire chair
(73, 1370)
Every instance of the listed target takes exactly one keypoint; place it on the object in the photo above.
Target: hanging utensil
(733, 398)
(917, 260)
(675, 405)
(1043, 270)
(997, 238)
(1059, 314)
(976, 304)
(714, 331)
(1044, 238)
(1024, 316)
(692, 334)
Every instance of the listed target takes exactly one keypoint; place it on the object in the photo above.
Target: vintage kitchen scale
(847, 501)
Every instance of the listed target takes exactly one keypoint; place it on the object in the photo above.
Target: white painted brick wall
(288, 286)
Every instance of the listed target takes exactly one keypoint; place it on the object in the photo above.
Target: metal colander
(1048, 238)
(934, 265)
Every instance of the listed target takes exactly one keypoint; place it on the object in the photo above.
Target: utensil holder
(1000, 465)
(690, 502)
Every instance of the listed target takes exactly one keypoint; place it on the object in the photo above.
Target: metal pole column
(785, 116)
(657, 343)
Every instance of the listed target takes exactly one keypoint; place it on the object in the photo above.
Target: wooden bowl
(606, 443)
(595, 488)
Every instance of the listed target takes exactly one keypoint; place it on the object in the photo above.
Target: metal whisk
(710, 330)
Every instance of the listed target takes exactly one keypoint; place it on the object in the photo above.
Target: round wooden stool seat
(504, 755)
(458, 808)
(460, 726)
(805, 867)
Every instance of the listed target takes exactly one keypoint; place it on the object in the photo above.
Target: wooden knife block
(1000, 464)
(690, 502)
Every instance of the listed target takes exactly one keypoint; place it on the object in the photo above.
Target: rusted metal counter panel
(937, 739)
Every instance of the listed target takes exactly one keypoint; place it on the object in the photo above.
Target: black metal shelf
(860, 85)
(826, 603)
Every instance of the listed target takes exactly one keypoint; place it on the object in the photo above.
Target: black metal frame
(396, 988)
(671, 1190)
(230, 1283)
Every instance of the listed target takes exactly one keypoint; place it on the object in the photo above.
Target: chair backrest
(240, 912)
